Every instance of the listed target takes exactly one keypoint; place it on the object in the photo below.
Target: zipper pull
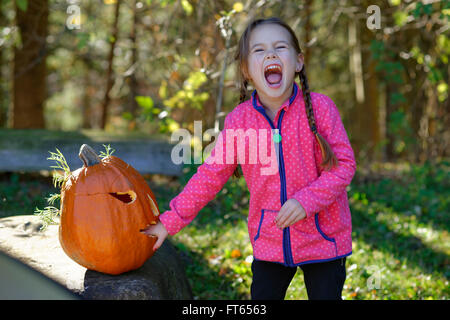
(276, 135)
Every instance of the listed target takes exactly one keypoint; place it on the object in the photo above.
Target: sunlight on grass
(401, 243)
(399, 251)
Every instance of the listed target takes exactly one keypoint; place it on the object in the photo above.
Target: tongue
(273, 78)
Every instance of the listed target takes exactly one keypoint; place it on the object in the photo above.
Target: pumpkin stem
(88, 156)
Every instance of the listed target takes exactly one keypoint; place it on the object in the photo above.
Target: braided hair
(329, 159)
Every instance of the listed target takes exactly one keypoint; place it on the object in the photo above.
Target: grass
(401, 243)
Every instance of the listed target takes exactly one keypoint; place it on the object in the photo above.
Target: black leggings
(324, 280)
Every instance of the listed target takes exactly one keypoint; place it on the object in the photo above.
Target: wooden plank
(28, 150)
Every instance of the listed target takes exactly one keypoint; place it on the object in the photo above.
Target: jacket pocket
(309, 242)
(332, 240)
(268, 240)
(259, 225)
(316, 220)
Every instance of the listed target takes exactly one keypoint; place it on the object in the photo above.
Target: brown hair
(329, 159)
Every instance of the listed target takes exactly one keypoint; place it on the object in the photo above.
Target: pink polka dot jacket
(325, 233)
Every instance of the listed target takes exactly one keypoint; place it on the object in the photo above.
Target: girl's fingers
(283, 218)
(158, 244)
(148, 231)
(292, 219)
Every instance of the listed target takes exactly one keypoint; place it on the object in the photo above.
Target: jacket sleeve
(323, 191)
(203, 186)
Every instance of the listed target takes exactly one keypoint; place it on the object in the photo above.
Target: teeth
(272, 67)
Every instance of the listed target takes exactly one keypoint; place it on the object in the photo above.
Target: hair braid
(243, 91)
(329, 159)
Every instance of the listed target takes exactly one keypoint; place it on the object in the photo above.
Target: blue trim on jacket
(316, 220)
(287, 250)
(309, 261)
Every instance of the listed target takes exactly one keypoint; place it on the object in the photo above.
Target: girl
(299, 216)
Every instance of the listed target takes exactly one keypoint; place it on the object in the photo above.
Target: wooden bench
(28, 150)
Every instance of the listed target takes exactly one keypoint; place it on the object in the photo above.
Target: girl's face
(272, 62)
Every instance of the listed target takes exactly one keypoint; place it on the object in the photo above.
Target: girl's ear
(300, 62)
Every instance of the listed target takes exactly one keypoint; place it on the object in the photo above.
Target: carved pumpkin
(104, 205)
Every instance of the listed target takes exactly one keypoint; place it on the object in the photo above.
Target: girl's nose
(271, 55)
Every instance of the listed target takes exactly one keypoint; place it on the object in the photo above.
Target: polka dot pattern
(326, 231)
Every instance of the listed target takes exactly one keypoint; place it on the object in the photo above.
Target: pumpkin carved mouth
(127, 197)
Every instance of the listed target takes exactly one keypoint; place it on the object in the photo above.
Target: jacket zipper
(283, 197)
(286, 232)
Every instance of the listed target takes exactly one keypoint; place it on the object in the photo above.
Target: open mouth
(273, 75)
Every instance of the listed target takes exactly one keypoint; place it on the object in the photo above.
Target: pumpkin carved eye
(127, 197)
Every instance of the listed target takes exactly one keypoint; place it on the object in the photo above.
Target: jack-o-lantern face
(104, 205)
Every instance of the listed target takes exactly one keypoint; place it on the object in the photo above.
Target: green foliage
(400, 228)
(399, 126)
(20, 196)
(187, 7)
(400, 18)
(50, 213)
(22, 4)
(391, 70)
(422, 9)
(82, 39)
(61, 163)
(47, 215)
(108, 151)
(148, 109)
(190, 95)
(165, 3)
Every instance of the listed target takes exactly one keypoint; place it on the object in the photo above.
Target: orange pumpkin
(104, 205)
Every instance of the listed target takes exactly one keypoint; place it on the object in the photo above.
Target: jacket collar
(258, 106)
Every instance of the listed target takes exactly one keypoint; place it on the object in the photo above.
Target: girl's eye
(258, 50)
(281, 47)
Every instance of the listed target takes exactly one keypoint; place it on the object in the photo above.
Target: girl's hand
(157, 230)
(290, 213)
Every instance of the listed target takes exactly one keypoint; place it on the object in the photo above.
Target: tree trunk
(366, 114)
(370, 115)
(133, 80)
(357, 75)
(29, 66)
(4, 81)
(307, 38)
(109, 73)
(86, 106)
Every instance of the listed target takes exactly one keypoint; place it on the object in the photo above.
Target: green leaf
(428, 9)
(163, 90)
(83, 38)
(164, 3)
(145, 102)
(417, 10)
(434, 75)
(397, 97)
(400, 18)
(187, 7)
(22, 4)
(127, 115)
(108, 151)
